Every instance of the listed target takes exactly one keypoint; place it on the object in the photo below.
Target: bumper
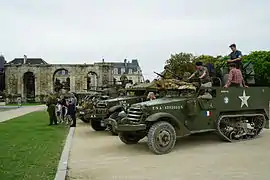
(95, 116)
(130, 128)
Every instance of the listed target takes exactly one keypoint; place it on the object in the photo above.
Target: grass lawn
(29, 148)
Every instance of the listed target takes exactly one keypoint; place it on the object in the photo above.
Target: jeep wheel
(96, 126)
(112, 130)
(129, 138)
(114, 116)
(84, 120)
(161, 138)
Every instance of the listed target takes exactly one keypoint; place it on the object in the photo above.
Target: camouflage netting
(174, 84)
(151, 85)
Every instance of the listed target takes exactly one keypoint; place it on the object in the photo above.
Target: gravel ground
(100, 156)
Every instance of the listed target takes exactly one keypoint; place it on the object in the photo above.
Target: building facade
(34, 78)
(131, 69)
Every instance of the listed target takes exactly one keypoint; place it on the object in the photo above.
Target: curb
(63, 164)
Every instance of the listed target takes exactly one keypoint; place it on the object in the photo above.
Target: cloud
(87, 31)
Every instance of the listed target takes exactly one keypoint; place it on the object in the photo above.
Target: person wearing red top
(235, 77)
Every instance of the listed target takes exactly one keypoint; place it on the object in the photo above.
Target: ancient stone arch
(61, 79)
(29, 87)
(92, 80)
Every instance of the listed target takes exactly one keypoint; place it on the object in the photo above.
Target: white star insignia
(244, 98)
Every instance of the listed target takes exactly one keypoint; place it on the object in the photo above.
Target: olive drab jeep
(110, 108)
(234, 114)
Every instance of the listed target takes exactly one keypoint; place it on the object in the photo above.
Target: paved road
(100, 156)
(12, 113)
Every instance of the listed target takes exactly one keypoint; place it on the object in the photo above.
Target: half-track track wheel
(161, 137)
(97, 126)
(240, 127)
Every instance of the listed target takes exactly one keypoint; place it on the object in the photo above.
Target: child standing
(58, 112)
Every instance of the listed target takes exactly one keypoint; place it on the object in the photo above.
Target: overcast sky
(85, 31)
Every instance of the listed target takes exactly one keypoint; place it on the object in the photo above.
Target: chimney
(24, 59)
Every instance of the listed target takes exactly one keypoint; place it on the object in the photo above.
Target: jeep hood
(160, 101)
(121, 99)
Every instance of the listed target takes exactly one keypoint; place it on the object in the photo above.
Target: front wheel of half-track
(161, 138)
(129, 138)
(97, 126)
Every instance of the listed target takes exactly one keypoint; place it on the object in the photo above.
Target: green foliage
(185, 62)
(123, 78)
(261, 64)
(179, 63)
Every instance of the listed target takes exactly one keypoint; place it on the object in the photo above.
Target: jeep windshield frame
(180, 93)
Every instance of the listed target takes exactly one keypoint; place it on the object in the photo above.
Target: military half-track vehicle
(233, 113)
(112, 107)
(86, 110)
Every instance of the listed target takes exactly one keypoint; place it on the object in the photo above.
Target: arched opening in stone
(92, 81)
(2, 81)
(29, 86)
(61, 80)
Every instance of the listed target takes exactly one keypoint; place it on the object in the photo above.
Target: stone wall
(44, 77)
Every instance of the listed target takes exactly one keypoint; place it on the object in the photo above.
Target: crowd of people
(63, 110)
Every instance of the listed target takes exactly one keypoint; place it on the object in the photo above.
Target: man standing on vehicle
(235, 77)
(203, 74)
(206, 82)
(235, 57)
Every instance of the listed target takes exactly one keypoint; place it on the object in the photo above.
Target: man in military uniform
(72, 109)
(235, 57)
(51, 103)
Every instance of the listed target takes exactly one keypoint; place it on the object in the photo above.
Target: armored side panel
(243, 100)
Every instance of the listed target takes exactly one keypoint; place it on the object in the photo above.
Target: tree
(261, 65)
(184, 62)
(179, 63)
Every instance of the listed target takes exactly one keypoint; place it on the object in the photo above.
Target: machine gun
(160, 75)
(170, 71)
